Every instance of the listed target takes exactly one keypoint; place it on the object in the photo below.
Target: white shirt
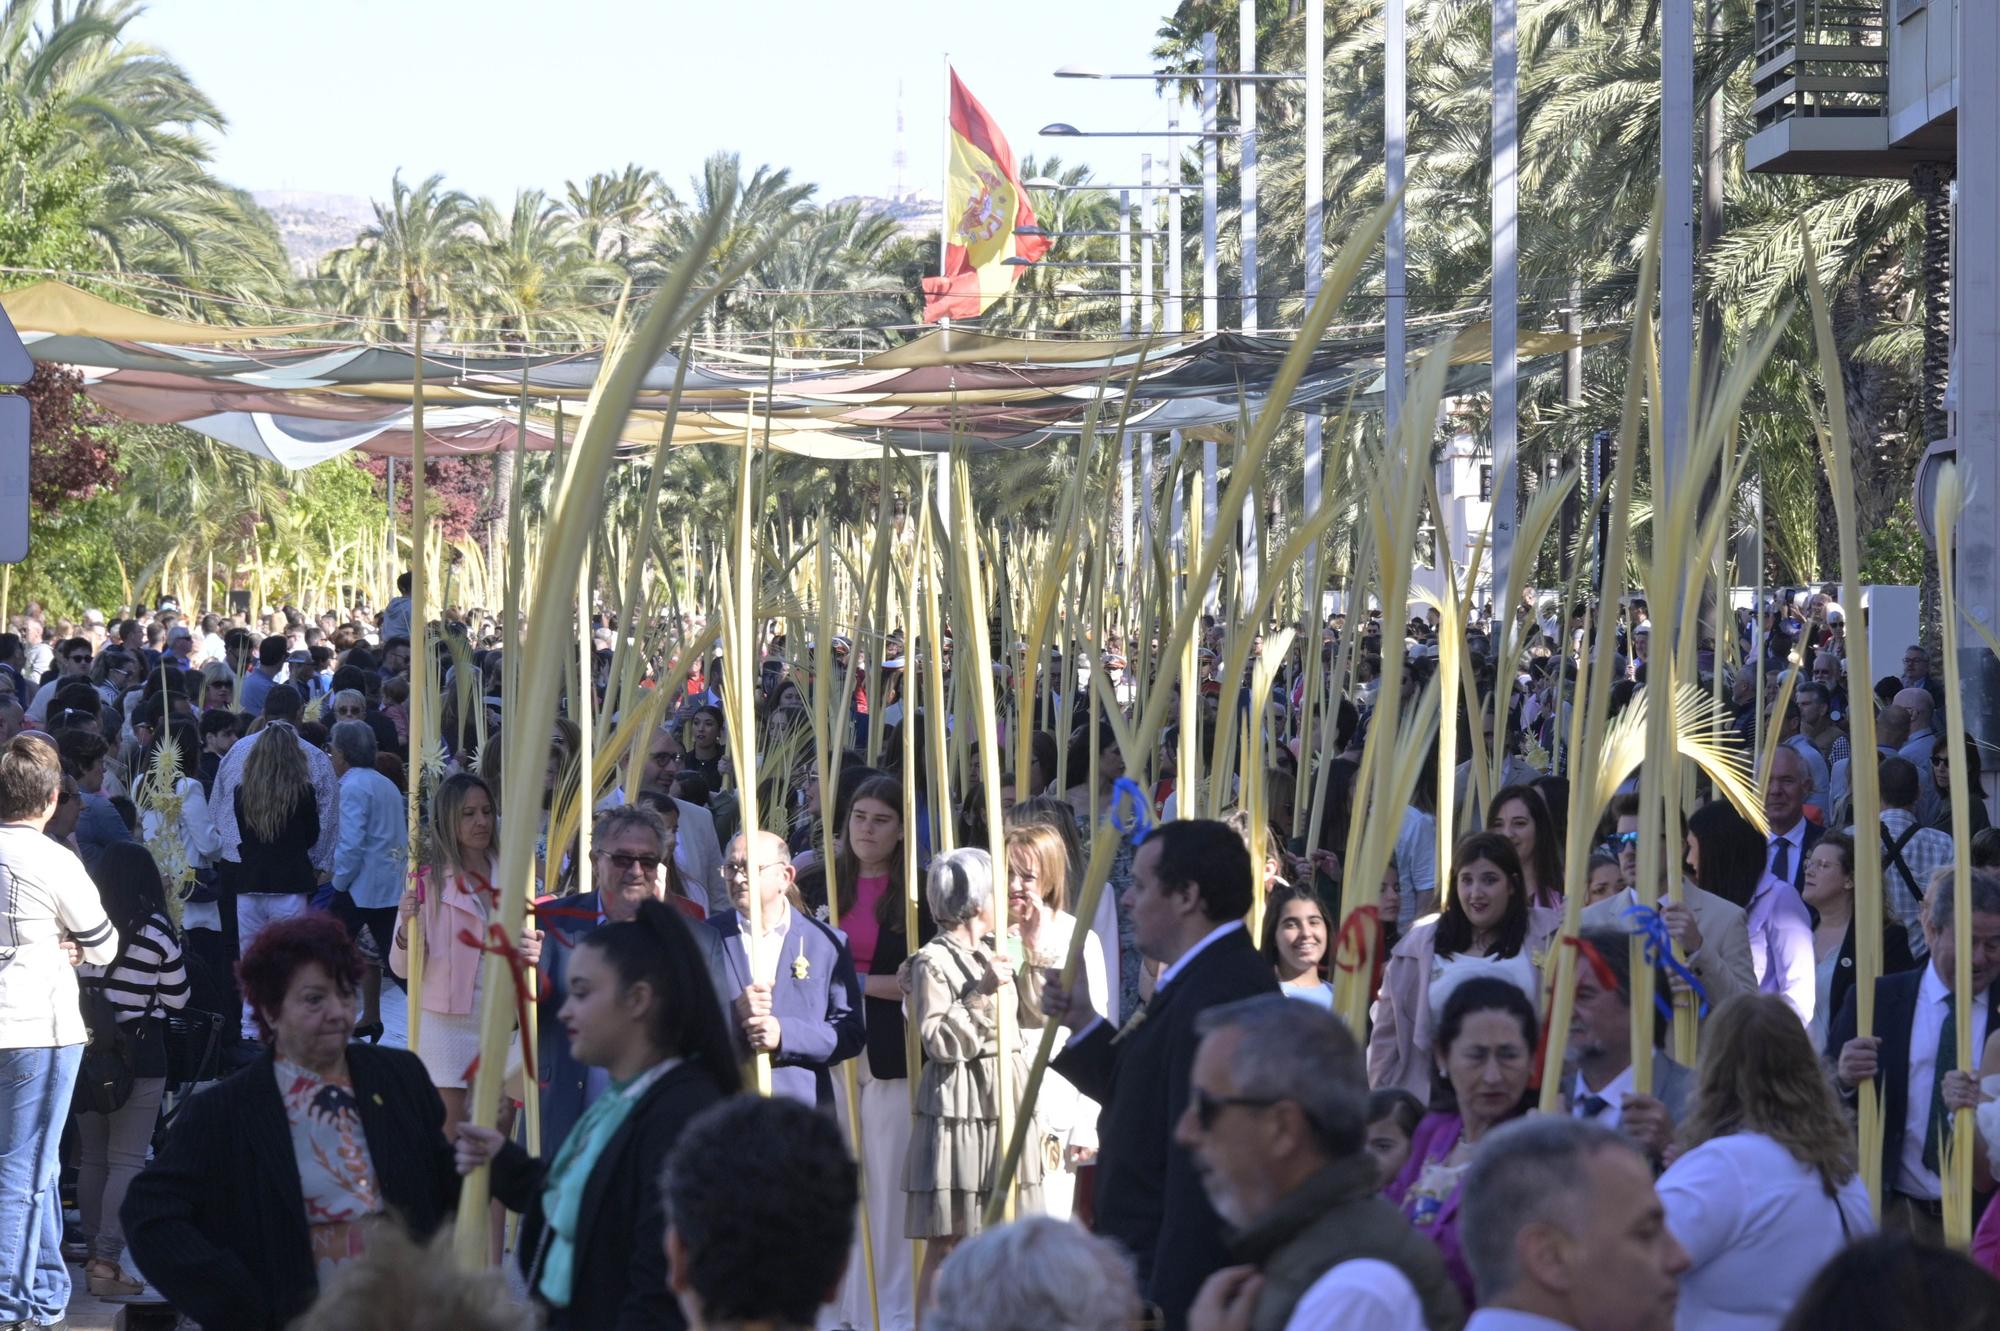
(1933, 996)
(763, 967)
(1359, 1295)
(1613, 1095)
(44, 895)
(1757, 1226)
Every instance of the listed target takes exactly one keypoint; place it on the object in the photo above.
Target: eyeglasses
(78, 660)
(1625, 839)
(347, 711)
(66, 797)
(626, 863)
(736, 872)
(1208, 1107)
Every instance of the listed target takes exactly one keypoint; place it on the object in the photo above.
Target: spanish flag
(983, 204)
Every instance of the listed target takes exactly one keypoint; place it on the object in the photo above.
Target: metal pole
(1506, 411)
(1209, 320)
(1125, 329)
(1677, 239)
(1246, 115)
(1315, 244)
(1975, 310)
(1175, 323)
(1395, 120)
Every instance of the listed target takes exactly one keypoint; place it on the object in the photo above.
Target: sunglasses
(650, 864)
(78, 660)
(1207, 1108)
(1625, 839)
(66, 797)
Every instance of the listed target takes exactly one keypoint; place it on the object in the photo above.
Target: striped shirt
(147, 976)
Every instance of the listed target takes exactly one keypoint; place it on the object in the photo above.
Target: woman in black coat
(640, 1006)
(271, 1179)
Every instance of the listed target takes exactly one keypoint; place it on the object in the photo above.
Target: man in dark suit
(1786, 787)
(626, 863)
(797, 996)
(1191, 888)
(1912, 1053)
(1600, 1087)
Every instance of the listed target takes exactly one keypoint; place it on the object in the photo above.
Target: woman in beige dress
(958, 985)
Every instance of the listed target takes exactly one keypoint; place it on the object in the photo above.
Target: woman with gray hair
(958, 983)
(1036, 1274)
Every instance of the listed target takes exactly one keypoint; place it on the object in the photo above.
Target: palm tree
(758, 207)
(610, 213)
(412, 263)
(530, 279)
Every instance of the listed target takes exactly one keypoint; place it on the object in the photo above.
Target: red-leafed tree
(72, 451)
(460, 495)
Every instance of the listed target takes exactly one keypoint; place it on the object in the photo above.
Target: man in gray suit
(1713, 934)
(1600, 1088)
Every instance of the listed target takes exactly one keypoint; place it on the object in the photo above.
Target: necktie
(1947, 1061)
(1781, 858)
(1593, 1105)
(1133, 1022)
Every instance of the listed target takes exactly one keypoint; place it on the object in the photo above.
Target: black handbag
(104, 1078)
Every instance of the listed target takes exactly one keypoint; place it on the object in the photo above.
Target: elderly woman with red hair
(271, 1179)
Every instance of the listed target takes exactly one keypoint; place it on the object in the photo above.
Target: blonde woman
(277, 813)
(1041, 929)
(456, 903)
(1767, 1191)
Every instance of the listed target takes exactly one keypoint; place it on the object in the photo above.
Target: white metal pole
(1209, 321)
(943, 469)
(1125, 262)
(1505, 290)
(1246, 115)
(1175, 319)
(1677, 240)
(1975, 314)
(1145, 243)
(1395, 118)
(1125, 328)
(1246, 118)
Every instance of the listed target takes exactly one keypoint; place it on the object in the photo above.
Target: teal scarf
(562, 1200)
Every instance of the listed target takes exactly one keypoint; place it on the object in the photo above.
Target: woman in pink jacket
(456, 899)
(1486, 921)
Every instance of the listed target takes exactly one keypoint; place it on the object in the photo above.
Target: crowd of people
(216, 1043)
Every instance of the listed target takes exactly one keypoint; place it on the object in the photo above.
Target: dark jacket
(1338, 1215)
(1896, 959)
(1895, 1010)
(888, 1044)
(1149, 1196)
(620, 1278)
(567, 921)
(284, 864)
(217, 1221)
(819, 1014)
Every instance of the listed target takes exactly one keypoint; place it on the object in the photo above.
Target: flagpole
(943, 474)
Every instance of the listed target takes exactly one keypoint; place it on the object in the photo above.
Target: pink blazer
(451, 967)
(1399, 1044)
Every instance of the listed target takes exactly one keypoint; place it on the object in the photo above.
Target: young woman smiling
(1486, 923)
(1295, 939)
(1520, 814)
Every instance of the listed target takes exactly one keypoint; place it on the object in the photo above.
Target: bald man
(1918, 749)
(798, 997)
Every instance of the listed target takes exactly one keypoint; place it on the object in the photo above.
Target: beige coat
(1722, 965)
(1399, 1043)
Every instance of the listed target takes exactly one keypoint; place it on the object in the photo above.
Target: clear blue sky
(501, 94)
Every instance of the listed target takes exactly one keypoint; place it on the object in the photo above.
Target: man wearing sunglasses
(625, 863)
(1714, 934)
(1277, 1123)
(72, 661)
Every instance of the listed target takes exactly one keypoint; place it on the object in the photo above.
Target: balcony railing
(1821, 59)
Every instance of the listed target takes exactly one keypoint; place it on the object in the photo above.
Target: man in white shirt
(1277, 1125)
(72, 661)
(1913, 1052)
(1563, 1230)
